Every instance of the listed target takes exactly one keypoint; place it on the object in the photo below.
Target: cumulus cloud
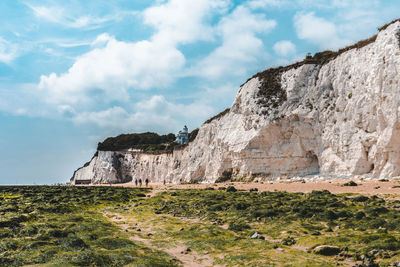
(240, 44)
(97, 88)
(180, 21)
(318, 31)
(284, 48)
(8, 51)
(111, 68)
(150, 114)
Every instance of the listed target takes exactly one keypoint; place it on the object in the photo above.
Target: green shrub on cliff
(148, 142)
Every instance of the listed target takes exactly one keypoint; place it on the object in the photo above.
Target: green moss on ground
(62, 226)
(111, 226)
(358, 225)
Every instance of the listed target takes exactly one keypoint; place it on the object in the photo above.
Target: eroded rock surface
(339, 117)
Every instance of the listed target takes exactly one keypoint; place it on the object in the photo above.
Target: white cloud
(181, 21)
(254, 4)
(284, 48)
(23, 99)
(97, 88)
(8, 51)
(302, 4)
(111, 117)
(52, 14)
(153, 113)
(359, 4)
(64, 17)
(110, 69)
(150, 114)
(318, 31)
(240, 44)
(113, 68)
(71, 43)
(161, 109)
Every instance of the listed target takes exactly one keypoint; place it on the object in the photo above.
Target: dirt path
(187, 258)
(179, 251)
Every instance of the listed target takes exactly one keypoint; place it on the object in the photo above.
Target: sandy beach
(370, 187)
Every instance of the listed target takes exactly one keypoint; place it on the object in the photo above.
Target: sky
(74, 72)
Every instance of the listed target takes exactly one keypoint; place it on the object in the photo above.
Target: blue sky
(74, 72)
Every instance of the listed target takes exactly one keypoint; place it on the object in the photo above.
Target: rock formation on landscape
(335, 114)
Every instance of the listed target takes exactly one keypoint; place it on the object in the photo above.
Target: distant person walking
(140, 182)
(164, 182)
(147, 182)
(136, 182)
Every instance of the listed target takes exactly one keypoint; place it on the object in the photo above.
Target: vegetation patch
(351, 183)
(384, 27)
(146, 142)
(111, 226)
(398, 38)
(193, 134)
(226, 176)
(271, 94)
(327, 250)
(63, 226)
(238, 226)
(219, 115)
(231, 189)
(344, 225)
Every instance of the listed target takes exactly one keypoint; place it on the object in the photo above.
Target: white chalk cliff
(337, 114)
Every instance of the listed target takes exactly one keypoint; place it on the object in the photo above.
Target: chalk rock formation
(336, 114)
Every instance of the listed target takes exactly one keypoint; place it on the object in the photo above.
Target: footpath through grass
(63, 226)
(111, 226)
(365, 229)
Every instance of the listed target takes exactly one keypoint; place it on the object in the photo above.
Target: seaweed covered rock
(327, 250)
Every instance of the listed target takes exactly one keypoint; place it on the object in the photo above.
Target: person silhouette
(147, 182)
(140, 182)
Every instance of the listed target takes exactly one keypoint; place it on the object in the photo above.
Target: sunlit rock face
(335, 118)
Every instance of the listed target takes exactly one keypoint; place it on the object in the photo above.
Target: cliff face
(333, 117)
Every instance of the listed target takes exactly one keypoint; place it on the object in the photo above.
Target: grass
(219, 115)
(78, 226)
(357, 224)
(63, 226)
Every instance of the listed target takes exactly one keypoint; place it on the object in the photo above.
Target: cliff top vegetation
(148, 142)
(219, 115)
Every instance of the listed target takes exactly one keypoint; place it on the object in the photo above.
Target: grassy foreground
(64, 226)
(111, 226)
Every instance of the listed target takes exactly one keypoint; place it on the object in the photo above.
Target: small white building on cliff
(183, 136)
